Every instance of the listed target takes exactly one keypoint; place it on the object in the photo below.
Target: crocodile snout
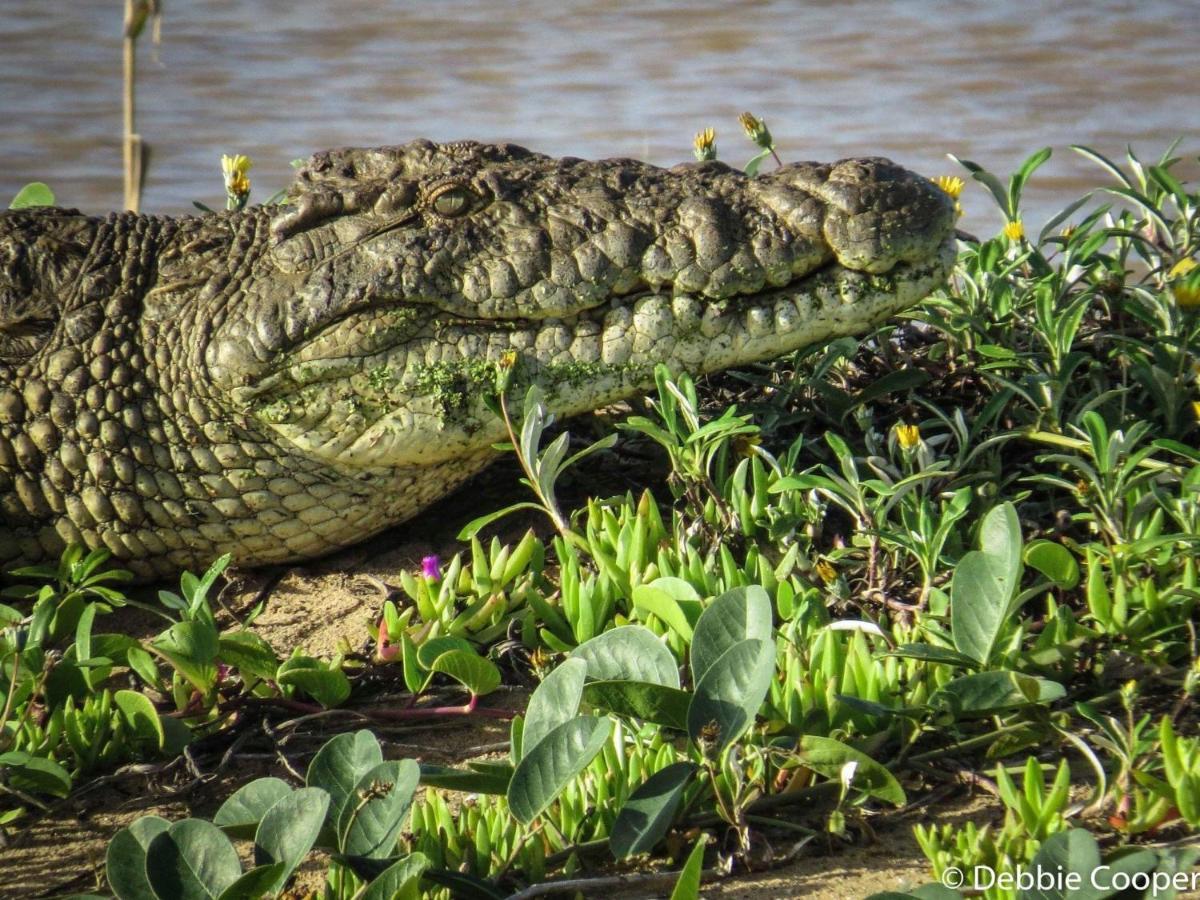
(876, 214)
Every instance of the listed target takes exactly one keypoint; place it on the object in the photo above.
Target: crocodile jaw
(421, 402)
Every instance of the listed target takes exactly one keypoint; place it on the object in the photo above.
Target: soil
(318, 606)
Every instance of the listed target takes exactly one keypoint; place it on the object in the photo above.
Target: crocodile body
(284, 381)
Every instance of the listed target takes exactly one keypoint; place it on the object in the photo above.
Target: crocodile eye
(453, 201)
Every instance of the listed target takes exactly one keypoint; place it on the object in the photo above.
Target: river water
(277, 79)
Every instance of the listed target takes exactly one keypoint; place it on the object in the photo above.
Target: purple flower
(431, 567)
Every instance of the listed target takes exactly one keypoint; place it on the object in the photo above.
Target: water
(278, 79)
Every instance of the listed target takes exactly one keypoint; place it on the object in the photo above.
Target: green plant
(944, 545)
(60, 717)
(353, 803)
(542, 469)
(1068, 864)
(1181, 771)
(33, 194)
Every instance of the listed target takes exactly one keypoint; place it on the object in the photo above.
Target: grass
(962, 546)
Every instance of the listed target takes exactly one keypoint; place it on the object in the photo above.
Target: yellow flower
(908, 436)
(951, 184)
(756, 129)
(704, 145)
(506, 367)
(1185, 282)
(234, 168)
(1014, 230)
(237, 184)
(1196, 409)
(827, 572)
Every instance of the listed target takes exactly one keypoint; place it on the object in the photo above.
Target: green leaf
(191, 647)
(828, 757)
(399, 881)
(36, 193)
(194, 640)
(473, 527)
(478, 675)
(934, 654)
(754, 164)
(982, 693)
(988, 180)
(328, 686)
(558, 757)
(924, 892)
(737, 615)
(365, 867)
(241, 813)
(176, 735)
(191, 860)
(249, 654)
(1104, 162)
(206, 581)
(1076, 852)
(553, 702)
(640, 700)
(980, 594)
(1000, 536)
(688, 885)
(1061, 216)
(649, 811)
(1183, 450)
(141, 717)
(871, 708)
(83, 633)
(414, 680)
(435, 647)
(289, 829)
(892, 383)
(340, 763)
(1017, 181)
(115, 646)
(1054, 561)
(35, 774)
(125, 859)
(463, 886)
(729, 695)
(494, 779)
(171, 600)
(669, 599)
(629, 653)
(255, 884)
(371, 820)
(979, 598)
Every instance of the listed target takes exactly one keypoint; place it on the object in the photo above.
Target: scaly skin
(286, 381)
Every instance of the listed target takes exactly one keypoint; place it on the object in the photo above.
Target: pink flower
(384, 648)
(431, 567)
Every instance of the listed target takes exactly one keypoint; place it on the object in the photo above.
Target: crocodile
(286, 380)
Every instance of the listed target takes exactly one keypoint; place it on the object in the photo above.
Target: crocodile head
(397, 279)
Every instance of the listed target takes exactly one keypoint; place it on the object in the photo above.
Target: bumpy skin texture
(286, 381)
